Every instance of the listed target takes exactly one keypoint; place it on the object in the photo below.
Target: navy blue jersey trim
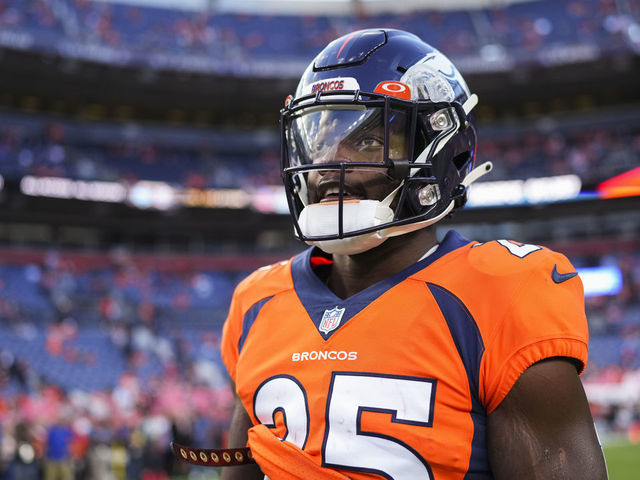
(470, 346)
(249, 318)
(316, 297)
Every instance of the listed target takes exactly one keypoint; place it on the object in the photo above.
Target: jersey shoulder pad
(508, 257)
(265, 282)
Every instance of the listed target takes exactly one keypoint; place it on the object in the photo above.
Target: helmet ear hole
(461, 160)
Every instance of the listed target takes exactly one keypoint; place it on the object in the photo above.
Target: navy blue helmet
(377, 113)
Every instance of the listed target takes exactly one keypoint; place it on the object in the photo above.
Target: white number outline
(394, 419)
(359, 432)
(516, 249)
(281, 409)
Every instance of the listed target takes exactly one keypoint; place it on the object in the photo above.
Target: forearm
(240, 424)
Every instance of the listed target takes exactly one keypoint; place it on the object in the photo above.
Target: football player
(381, 352)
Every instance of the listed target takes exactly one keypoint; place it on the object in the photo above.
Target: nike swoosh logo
(561, 277)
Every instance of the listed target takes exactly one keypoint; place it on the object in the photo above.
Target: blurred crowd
(160, 32)
(206, 158)
(119, 433)
(188, 158)
(105, 359)
(612, 377)
(594, 152)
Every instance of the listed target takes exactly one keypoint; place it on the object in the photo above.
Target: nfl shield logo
(331, 320)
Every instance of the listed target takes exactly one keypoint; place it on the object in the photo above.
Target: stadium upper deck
(545, 32)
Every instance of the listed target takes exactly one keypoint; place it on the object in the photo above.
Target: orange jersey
(397, 381)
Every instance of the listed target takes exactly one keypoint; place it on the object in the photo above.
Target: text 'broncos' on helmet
(378, 113)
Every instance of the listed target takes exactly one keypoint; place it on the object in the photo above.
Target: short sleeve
(546, 319)
(231, 332)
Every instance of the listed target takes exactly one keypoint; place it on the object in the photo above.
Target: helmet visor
(340, 134)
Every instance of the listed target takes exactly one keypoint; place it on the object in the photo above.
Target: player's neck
(351, 274)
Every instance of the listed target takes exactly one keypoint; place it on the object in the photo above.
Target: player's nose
(340, 153)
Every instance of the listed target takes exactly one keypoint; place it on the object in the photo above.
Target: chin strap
(470, 104)
(475, 174)
(472, 176)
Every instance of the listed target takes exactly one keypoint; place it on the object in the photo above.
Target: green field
(623, 461)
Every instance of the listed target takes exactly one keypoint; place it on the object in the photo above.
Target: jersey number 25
(409, 400)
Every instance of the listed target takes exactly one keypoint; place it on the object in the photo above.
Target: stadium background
(139, 156)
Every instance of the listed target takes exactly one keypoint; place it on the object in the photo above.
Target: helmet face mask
(365, 155)
(356, 135)
(344, 138)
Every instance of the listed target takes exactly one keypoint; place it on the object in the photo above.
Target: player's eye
(369, 144)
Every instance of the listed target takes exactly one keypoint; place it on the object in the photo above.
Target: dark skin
(351, 274)
(543, 429)
(240, 424)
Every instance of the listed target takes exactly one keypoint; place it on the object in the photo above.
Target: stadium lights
(155, 195)
(55, 187)
(598, 281)
(271, 199)
(626, 184)
(522, 192)
(216, 198)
